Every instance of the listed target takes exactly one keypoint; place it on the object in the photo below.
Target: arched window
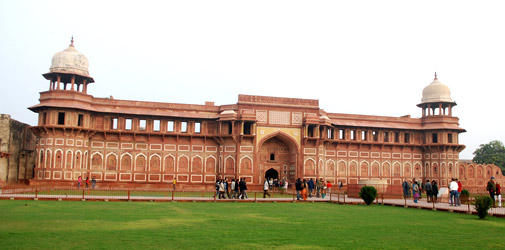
(272, 157)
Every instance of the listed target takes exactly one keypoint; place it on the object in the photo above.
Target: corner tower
(69, 67)
(441, 131)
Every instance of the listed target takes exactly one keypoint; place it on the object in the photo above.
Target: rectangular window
(128, 124)
(375, 135)
(353, 135)
(184, 127)
(198, 127)
(310, 131)
(230, 128)
(80, 120)
(44, 118)
(247, 128)
(113, 123)
(386, 136)
(142, 125)
(363, 135)
(407, 138)
(341, 134)
(170, 126)
(156, 125)
(61, 118)
(434, 137)
(397, 136)
(449, 138)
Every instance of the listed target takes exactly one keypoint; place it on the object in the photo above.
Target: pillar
(59, 82)
(73, 82)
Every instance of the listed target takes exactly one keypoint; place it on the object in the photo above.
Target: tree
(491, 153)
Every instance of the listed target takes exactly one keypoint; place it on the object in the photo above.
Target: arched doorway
(272, 174)
(277, 156)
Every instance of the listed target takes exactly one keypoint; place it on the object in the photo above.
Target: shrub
(464, 196)
(368, 194)
(482, 204)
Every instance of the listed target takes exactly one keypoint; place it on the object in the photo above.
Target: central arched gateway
(278, 154)
(271, 174)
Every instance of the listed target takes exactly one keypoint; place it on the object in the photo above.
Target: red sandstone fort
(124, 142)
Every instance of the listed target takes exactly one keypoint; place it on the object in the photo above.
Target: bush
(482, 204)
(464, 196)
(368, 194)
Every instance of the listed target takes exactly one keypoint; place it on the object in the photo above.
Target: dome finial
(72, 41)
(435, 76)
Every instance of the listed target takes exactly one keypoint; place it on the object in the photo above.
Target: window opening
(434, 137)
(247, 128)
(170, 126)
(397, 136)
(198, 127)
(61, 118)
(156, 125)
(449, 138)
(128, 124)
(113, 123)
(407, 138)
(184, 127)
(142, 124)
(80, 119)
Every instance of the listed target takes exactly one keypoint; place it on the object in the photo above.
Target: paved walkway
(422, 204)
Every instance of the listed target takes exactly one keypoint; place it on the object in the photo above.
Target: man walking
(491, 188)
(428, 189)
(265, 188)
(405, 186)
(319, 187)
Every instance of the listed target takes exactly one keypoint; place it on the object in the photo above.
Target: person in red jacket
(498, 193)
(328, 187)
(460, 188)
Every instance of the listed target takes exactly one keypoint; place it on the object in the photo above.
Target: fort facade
(123, 142)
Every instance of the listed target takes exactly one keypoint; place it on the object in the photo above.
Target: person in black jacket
(298, 187)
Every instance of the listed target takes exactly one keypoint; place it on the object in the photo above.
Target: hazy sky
(359, 57)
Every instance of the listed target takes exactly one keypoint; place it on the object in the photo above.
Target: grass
(167, 225)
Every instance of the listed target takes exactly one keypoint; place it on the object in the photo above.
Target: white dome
(436, 92)
(70, 61)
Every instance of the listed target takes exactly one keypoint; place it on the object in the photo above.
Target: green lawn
(167, 225)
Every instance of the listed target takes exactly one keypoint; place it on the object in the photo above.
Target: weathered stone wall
(17, 146)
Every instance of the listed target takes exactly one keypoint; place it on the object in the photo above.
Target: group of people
(238, 189)
(79, 182)
(269, 184)
(306, 188)
(494, 190)
(415, 188)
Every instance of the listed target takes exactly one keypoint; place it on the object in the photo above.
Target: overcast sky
(358, 57)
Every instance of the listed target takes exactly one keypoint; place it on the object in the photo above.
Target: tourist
(319, 186)
(245, 188)
(491, 188)
(405, 187)
(420, 186)
(221, 189)
(453, 188)
(285, 185)
(304, 191)
(323, 191)
(79, 180)
(93, 182)
(310, 185)
(270, 183)
(434, 191)
(340, 185)
(415, 191)
(173, 183)
(233, 188)
(428, 189)
(498, 193)
(460, 188)
(266, 185)
(328, 186)
(226, 188)
(409, 188)
(217, 189)
(87, 181)
(298, 187)
(237, 189)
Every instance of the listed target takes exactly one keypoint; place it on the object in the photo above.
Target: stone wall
(17, 149)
